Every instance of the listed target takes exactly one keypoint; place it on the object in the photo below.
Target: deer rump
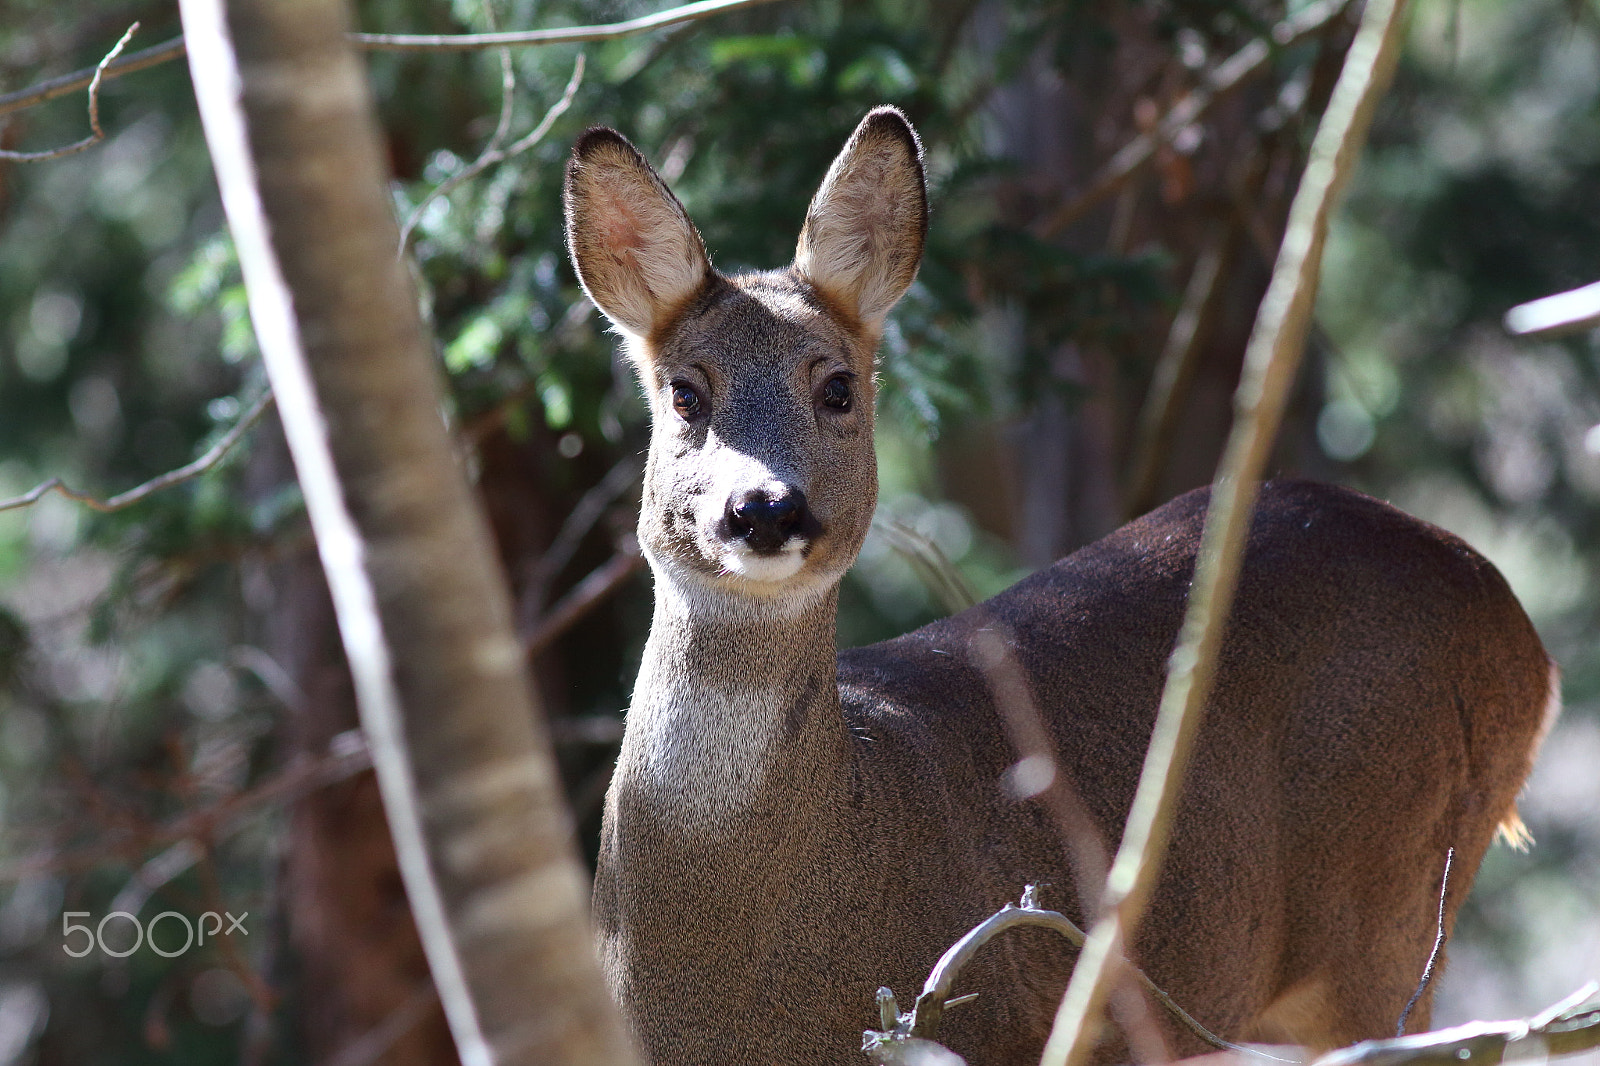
(1352, 737)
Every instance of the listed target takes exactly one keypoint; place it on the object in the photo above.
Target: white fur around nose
(736, 475)
(770, 568)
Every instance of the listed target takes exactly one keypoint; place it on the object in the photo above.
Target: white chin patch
(754, 566)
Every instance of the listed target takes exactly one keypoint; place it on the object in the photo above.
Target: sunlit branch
(1553, 316)
(96, 134)
(1228, 76)
(393, 42)
(493, 153)
(211, 458)
(1272, 359)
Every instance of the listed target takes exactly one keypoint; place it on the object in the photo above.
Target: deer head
(761, 479)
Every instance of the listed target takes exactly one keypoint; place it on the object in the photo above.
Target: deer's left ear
(863, 236)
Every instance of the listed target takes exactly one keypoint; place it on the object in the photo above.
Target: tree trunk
(360, 970)
(471, 792)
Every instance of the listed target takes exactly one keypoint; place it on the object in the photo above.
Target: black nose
(765, 520)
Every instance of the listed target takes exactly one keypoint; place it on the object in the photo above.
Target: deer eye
(686, 401)
(836, 393)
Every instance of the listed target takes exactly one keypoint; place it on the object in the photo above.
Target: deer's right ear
(637, 254)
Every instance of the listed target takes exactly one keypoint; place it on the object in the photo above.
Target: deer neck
(733, 708)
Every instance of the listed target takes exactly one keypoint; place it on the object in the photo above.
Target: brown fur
(789, 828)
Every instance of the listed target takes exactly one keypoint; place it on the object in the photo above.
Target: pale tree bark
(467, 779)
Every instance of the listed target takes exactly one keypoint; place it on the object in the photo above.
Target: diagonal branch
(1555, 316)
(1566, 1028)
(1231, 74)
(463, 42)
(494, 154)
(346, 756)
(211, 458)
(1271, 361)
(96, 134)
(394, 42)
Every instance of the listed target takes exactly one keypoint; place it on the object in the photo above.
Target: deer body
(790, 827)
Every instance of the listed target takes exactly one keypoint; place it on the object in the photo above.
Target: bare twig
(599, 730)
(1271, 361)
(45, 91)
(262, 997)
(1175, 370)
(508, 84)
(925, 1017)
(174, 49)
(154, 875)
(1552, 316)
(347, 756)
(1438, 944)
(370, 1046)
(1037, 775)
(96, 134)
(1230, 75)
(1568, 1027)
(493, 153)
(565, 35)
(585, 595)
(211, 458)
(580, 520)
(937, 572)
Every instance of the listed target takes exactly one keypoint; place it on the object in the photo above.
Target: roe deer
(790, 827)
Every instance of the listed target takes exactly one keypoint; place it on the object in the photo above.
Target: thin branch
(493, 153)
(45, 91)
(96, 134)
(508, 84)
(1568, 1027)
(1037, 776)
(390, 42)
(155, 875)
(601, 583)
(937, 572)
(1553, 316)
(1221, 81)
(1438, 945)
(211, 458)
(594, 730)
(589, 509)
(371, 1046)
(1175, 371)
(347, 756)
(262, 997)
(1272, 359)
(565, 35)
(925, 1017)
